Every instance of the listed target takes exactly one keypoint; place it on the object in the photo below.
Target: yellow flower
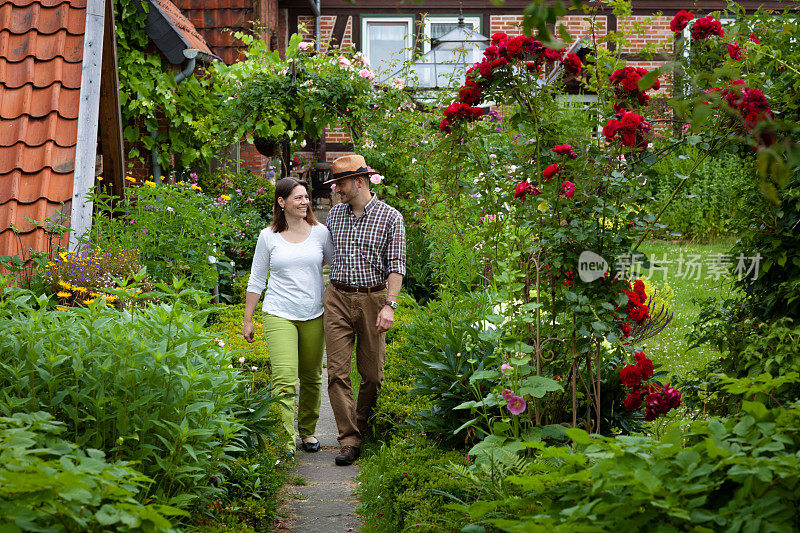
(95, 295)
(150, 183)
(109, 304)
(79, 289)
(59, 308)
(87, 302)
(99, 178)
(196, 188)
(64, 294)
(132, 180)
(65, 285)
(110, 297)
(225, 197)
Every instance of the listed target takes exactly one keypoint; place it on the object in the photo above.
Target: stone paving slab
(327, 503)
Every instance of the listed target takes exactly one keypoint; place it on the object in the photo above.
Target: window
(387, 42)
(436, 26)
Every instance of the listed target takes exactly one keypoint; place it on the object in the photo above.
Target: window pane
(440, 28)
(387, 42)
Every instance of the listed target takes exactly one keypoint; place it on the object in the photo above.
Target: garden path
(327, 502)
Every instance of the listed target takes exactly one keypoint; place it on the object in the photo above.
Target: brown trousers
(351, 317)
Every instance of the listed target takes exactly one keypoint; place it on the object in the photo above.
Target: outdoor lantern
(450, 55)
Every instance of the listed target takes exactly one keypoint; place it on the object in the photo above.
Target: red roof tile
(40, 73)
(41, 49)
(214, 19)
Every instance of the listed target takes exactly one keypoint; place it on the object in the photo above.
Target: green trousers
(295, 351)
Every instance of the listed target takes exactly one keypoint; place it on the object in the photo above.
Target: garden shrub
(707, 207)
(178, 230)
(49, 484)
(143, 384)
(402, 487)
(735, 474)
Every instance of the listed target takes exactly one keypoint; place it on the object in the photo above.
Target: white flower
(303, 143)
(512, 168)
(413, 160)
(492, 156)
(170, 210)
(253, 368)
(212, 259)
(230, 366)
(242, 360)
(220, 343)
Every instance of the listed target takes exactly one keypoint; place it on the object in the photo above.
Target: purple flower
(493, 115)
(516, 405)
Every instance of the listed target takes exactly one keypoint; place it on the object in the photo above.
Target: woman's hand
(248, 331)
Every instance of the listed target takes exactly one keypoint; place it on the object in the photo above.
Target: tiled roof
(212, 18)
(41, 49)
(180, 30)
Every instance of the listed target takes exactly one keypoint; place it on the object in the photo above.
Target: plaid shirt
(368, 248)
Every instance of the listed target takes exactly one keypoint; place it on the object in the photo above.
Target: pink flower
(568, 189)
(366, 73)
(516, 405)
(507, 395)
(504, 367)
(376, 178)
(305, 45)
(344, 61)
(333, 187)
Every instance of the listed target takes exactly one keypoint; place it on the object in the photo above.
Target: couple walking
(364, 244)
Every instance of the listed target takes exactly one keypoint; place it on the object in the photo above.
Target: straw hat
(349, 166)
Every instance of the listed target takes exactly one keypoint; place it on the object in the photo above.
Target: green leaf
(578, 436)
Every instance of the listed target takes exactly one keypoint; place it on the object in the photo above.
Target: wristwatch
(391, 304)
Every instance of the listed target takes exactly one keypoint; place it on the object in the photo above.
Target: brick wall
(655, 32)
(250, 160)
(327, 22)
(511, 25)
(581, 25)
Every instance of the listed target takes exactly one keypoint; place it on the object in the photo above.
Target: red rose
(572, 64)
(611, 128)
(490, 52)
(630, 375)
(499, 62)
(645, 366)
(551, 56)
(445, 125)
(630, 121)
(735, 51)
(470, 94)
(633, 401)
(640, 313)
(551, 171)
(628, 138)
(568, 189)
(533, 67)
(631, 82)
(638, 288)
(523, 189)
(626, 329)
(680, 20)
(754, 39)
(486, 69)
(514, 46)
(706, 27)
(498, 37)
(643, 99)
(562, 149)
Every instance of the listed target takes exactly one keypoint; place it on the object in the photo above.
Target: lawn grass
(670, 348)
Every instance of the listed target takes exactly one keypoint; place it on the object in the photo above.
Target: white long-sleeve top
(295, 286)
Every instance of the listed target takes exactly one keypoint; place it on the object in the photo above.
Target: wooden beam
(88, 110)
(110, 111)
(338, 29)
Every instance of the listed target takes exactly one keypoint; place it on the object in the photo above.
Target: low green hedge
(403, 486)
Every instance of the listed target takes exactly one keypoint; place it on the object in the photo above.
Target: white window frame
(408, 20)
(476, 20)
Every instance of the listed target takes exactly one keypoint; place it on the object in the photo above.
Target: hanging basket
(267, 146)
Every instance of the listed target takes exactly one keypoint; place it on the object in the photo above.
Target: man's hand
(385, 319)
(248, 331)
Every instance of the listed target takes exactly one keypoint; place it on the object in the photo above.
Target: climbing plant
(148, 91)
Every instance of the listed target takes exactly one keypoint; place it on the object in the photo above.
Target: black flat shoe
(311, 447)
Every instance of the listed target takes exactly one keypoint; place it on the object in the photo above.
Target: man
(369, 256)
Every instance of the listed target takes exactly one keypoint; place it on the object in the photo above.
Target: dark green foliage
(403, 487)
(49, 484)
(736, 474)
(705, 208)
(147, 385)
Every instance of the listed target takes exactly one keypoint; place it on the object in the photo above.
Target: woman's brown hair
(283, 189)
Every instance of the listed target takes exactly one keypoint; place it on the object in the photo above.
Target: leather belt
(352, 288)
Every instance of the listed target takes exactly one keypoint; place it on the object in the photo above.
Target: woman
(292, 251)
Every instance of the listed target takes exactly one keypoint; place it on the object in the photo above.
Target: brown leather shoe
(347, 455)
